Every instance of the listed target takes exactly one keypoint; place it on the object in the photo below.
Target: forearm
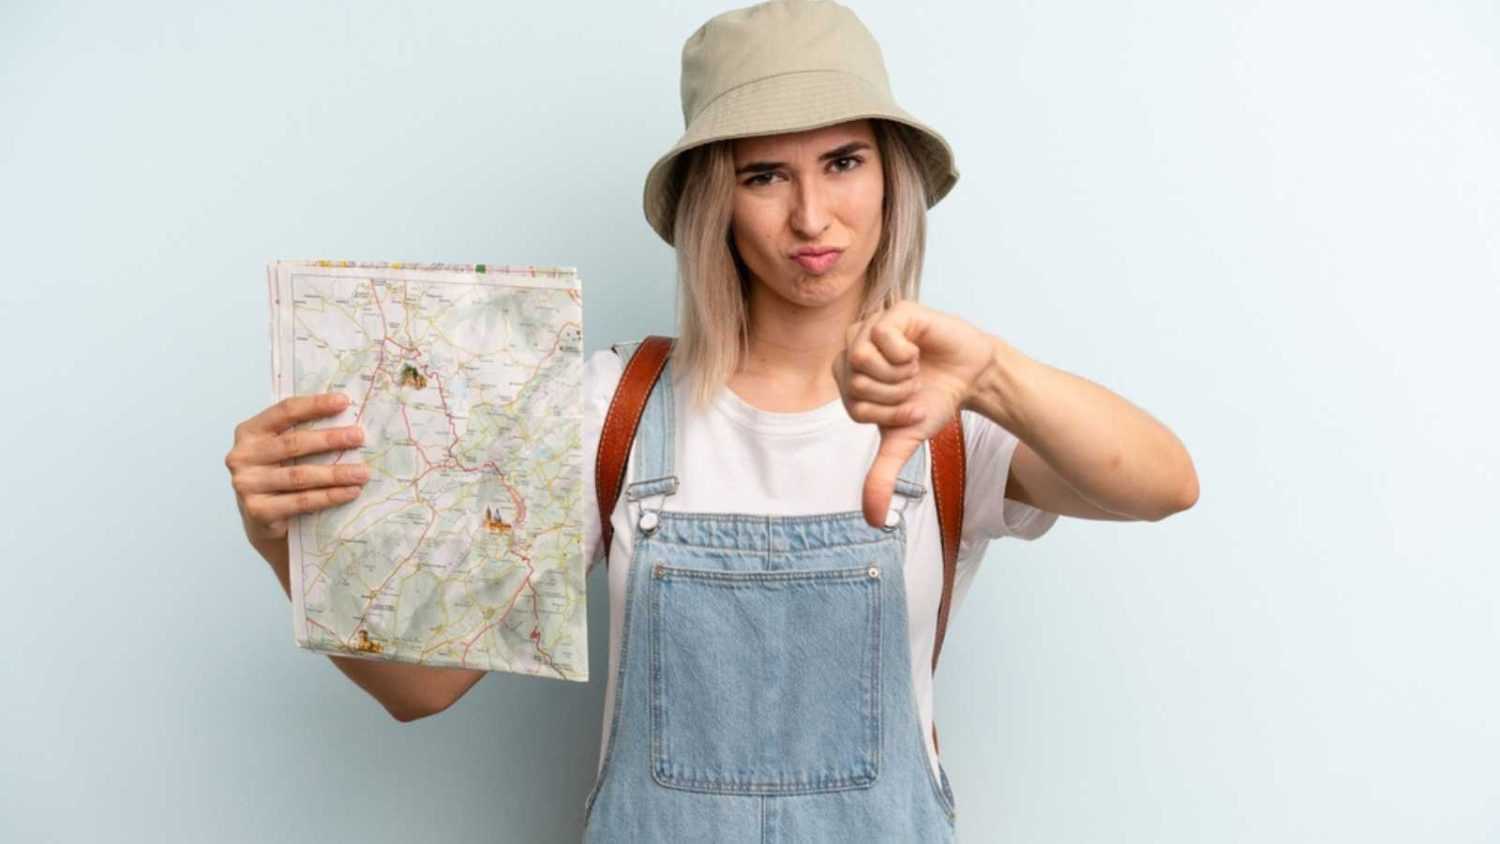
(406, 691)
(1111, 452)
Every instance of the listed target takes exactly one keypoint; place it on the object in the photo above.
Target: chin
(817, 290)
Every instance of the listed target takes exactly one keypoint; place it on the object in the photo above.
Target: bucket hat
(785, 66)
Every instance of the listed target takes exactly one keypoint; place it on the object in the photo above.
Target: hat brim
(794, 102)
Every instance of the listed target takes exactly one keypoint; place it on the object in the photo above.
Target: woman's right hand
(269, 493)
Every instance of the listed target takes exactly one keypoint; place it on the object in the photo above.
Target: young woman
(775, 563)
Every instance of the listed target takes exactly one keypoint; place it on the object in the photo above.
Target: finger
(271, 508)
(890, 337)
(886, 415)
(864, 356)
(864, 388)
(292, 410)
(880, 482)
(294, 444)
(258, 480)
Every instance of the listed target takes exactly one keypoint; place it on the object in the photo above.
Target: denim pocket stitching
(848, 778)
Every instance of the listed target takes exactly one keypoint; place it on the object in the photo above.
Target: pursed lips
(817, 261)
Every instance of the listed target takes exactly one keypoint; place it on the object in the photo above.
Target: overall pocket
(765, 682)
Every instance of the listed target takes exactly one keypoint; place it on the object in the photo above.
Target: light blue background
(1272, 225)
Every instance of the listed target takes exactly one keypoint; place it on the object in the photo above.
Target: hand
(268, 493)
(907, 369)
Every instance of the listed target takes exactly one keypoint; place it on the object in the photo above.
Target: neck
(791, 351)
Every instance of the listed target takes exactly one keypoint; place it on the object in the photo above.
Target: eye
(853, 158)
(764, 178)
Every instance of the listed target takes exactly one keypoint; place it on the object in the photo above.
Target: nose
(810, 215)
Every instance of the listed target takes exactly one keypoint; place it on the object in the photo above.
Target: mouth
(817, 261)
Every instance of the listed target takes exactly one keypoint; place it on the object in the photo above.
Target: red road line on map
(530, 570)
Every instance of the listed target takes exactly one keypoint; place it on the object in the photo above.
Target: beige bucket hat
(785, 66)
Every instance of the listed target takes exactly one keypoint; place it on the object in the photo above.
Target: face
(817, 189)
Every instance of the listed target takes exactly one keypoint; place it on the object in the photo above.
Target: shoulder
(601, 375)
(988, 514)
(602, 369)
(985, 439)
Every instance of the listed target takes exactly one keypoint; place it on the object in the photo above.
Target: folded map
(464, 548)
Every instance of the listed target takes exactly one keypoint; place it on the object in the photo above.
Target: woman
(767, 674)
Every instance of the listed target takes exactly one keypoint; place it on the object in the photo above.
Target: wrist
(277, 553)
(997, 391)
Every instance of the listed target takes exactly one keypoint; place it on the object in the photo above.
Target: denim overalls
(764, 687)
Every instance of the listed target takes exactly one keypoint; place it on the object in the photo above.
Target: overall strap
(656, 442)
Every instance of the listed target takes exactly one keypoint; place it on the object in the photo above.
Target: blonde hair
(712, 280)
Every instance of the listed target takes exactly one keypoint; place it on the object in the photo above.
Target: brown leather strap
(641, 372)
(948, 467)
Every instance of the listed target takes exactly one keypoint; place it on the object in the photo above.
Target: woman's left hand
(908, 370)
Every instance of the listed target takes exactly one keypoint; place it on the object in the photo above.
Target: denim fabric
(764, 685)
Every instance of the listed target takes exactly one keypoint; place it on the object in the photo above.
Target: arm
(1084, 451)
(406, 691)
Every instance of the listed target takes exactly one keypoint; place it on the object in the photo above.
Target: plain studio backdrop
(1271, 225)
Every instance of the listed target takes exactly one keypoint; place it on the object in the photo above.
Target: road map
(464, 548)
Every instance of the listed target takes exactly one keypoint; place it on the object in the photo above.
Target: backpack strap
(642, 370)
(948, 467)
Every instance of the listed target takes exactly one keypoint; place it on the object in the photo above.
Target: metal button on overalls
(764, 690)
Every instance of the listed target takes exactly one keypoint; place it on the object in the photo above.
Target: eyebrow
(837, 152)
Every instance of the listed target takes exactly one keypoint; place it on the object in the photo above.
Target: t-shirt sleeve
(601, 373)
(988, 514)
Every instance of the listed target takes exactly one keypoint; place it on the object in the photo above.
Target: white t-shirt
(794, 464)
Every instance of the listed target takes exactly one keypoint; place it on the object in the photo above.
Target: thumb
(880, 484)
